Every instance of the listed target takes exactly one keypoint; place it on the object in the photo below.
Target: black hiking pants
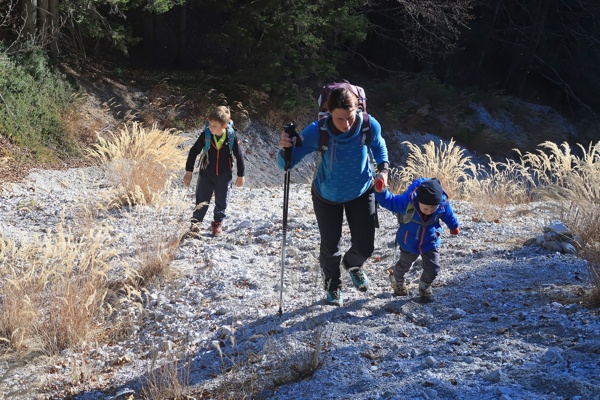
(361, 214)
(209, 184)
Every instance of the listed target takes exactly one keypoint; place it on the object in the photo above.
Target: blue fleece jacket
(423, 233)
(345, 171)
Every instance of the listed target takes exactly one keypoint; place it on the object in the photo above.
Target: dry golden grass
(59, 289)
(496, 186)
(167, 381)
(158, 242)
(571, 185)
(53, 289)
(140, 161)
(447, 162)
(549, 168)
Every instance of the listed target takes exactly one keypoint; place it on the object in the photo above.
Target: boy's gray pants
(431, 265)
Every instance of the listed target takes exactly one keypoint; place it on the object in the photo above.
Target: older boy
(216, 168)
(420, 209)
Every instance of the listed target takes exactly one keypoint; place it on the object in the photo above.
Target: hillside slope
(507, 323)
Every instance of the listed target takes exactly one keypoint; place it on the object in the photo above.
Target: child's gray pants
(431, 265)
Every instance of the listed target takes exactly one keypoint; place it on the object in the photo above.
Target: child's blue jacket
(422, 234)
(345, 171)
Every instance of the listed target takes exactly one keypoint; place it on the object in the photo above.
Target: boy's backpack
(323, 112)
(230, 136)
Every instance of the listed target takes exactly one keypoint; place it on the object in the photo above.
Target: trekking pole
(290, 129)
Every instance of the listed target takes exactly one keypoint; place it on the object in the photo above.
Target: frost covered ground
(508, 321)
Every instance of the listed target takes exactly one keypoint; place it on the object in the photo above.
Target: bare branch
(425, 28)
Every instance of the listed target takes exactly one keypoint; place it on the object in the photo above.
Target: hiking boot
(399, 288)
(216, 228)
(334, 297)
(425, 292)
(359, 278)
(193, 232)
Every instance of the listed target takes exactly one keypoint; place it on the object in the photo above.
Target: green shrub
(34, 99)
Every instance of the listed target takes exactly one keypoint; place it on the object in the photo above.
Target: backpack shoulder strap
(207, 137)
(366, 129)
(409, 213)
(323, 135)
(231, 134)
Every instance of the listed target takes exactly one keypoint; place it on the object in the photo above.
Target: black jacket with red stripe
(217, 161)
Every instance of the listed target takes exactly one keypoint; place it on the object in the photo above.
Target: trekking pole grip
(290, 129)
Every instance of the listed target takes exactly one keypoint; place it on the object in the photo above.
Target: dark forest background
(544, 51)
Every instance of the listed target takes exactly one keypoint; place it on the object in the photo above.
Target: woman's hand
(239, 182)
(286, 141)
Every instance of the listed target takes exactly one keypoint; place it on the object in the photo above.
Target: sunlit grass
(141, 163)
(53, 289)
(571, 184)
(496, 186)
(446, 162)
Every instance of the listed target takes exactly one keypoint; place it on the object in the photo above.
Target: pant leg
(204, 192)
(329, 219)
(403, 264)
(222, 184)
(431, 266)
(361, 214)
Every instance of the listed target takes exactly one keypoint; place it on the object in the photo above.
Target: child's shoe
(334, 297)
(216, 228)
(425, 292)
(399, 288)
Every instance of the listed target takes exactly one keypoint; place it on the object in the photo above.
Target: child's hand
(239, 182)
(455, 231)
(187, 178)
(381, 181)
(379, 185)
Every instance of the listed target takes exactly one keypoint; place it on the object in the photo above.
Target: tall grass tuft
(167, 381)
(571, 184)
(157, 243)
(447, 162)
(53, 288)
(496, 186)
(140, 161)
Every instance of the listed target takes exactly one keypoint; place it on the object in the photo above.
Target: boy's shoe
(216, 228)
(359, 278)
(334, 297)
(425, 293)
(193, 232)
(399, 288)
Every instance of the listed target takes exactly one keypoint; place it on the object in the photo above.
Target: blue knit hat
(430, 192)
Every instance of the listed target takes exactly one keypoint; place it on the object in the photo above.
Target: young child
(215, 169)
(419, 210)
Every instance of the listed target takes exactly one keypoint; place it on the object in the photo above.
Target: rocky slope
(508, 321)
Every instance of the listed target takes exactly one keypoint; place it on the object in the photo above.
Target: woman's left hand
(381, 181)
